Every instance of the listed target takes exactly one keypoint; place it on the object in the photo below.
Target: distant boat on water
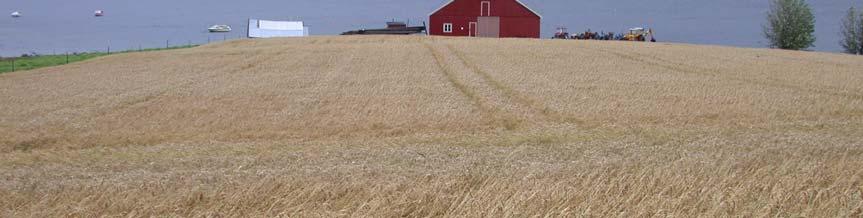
(219, 29)
(99, 13)
(16, 14)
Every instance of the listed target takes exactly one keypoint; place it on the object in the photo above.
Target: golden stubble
(430, 126)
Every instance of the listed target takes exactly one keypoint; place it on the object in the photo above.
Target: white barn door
(488, 27)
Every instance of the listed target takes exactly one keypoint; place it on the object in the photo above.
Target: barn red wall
(519, 27)
(515, 20)
(459, 25)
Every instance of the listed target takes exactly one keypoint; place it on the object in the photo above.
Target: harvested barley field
(428, 126)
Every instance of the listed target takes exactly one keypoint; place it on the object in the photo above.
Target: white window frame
(483, 7)
(447, 27)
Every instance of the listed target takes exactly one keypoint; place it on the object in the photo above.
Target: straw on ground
(428, 126)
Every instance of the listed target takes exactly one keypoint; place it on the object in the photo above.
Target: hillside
(427, 126)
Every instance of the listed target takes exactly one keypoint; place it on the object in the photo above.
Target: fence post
(67, 57)
(13, 64)
(167, 44)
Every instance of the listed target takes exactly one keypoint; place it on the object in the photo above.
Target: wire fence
(34, 60)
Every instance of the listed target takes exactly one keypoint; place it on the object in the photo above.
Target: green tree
(852, 32)
(790, 25)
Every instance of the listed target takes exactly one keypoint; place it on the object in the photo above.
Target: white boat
(16, 14)
(99, 13)
(219, 29)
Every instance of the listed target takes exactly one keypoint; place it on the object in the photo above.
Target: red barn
(485, 18)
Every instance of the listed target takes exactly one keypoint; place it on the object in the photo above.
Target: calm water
(57, 26)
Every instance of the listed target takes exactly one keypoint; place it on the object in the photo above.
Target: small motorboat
(99, 13)
(16, 14)
(219, 29)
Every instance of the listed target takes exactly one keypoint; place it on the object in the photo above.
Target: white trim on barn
(483, 5)
(517, 1)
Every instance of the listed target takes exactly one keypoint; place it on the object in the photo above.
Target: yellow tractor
(639, 34)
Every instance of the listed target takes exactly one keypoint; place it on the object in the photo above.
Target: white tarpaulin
(280, 25)
(269, 28)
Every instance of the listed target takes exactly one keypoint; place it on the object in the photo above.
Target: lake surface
(57, 26)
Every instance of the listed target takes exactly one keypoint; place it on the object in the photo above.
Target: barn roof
(517, 1)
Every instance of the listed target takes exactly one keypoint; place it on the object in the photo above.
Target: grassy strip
(40, 61)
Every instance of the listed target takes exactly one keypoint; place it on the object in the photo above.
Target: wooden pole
(67, 57)
(13, 64)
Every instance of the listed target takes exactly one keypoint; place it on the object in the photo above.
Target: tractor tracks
(499, 104)
(490, 114)
(455, 82)
(696, 70)
(535, 106)
(249, 64)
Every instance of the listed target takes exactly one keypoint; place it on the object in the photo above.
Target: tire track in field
(494, 115)
(122, 100)
(126, 102)
(537, 107)
(196, 79)
(692, 69)
(451, 78)
(248, 64)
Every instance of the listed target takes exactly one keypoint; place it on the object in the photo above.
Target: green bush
(790, 25)
(852, 32)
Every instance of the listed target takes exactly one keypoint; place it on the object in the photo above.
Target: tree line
(791, 25)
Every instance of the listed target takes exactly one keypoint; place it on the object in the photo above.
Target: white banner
(280, 25)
